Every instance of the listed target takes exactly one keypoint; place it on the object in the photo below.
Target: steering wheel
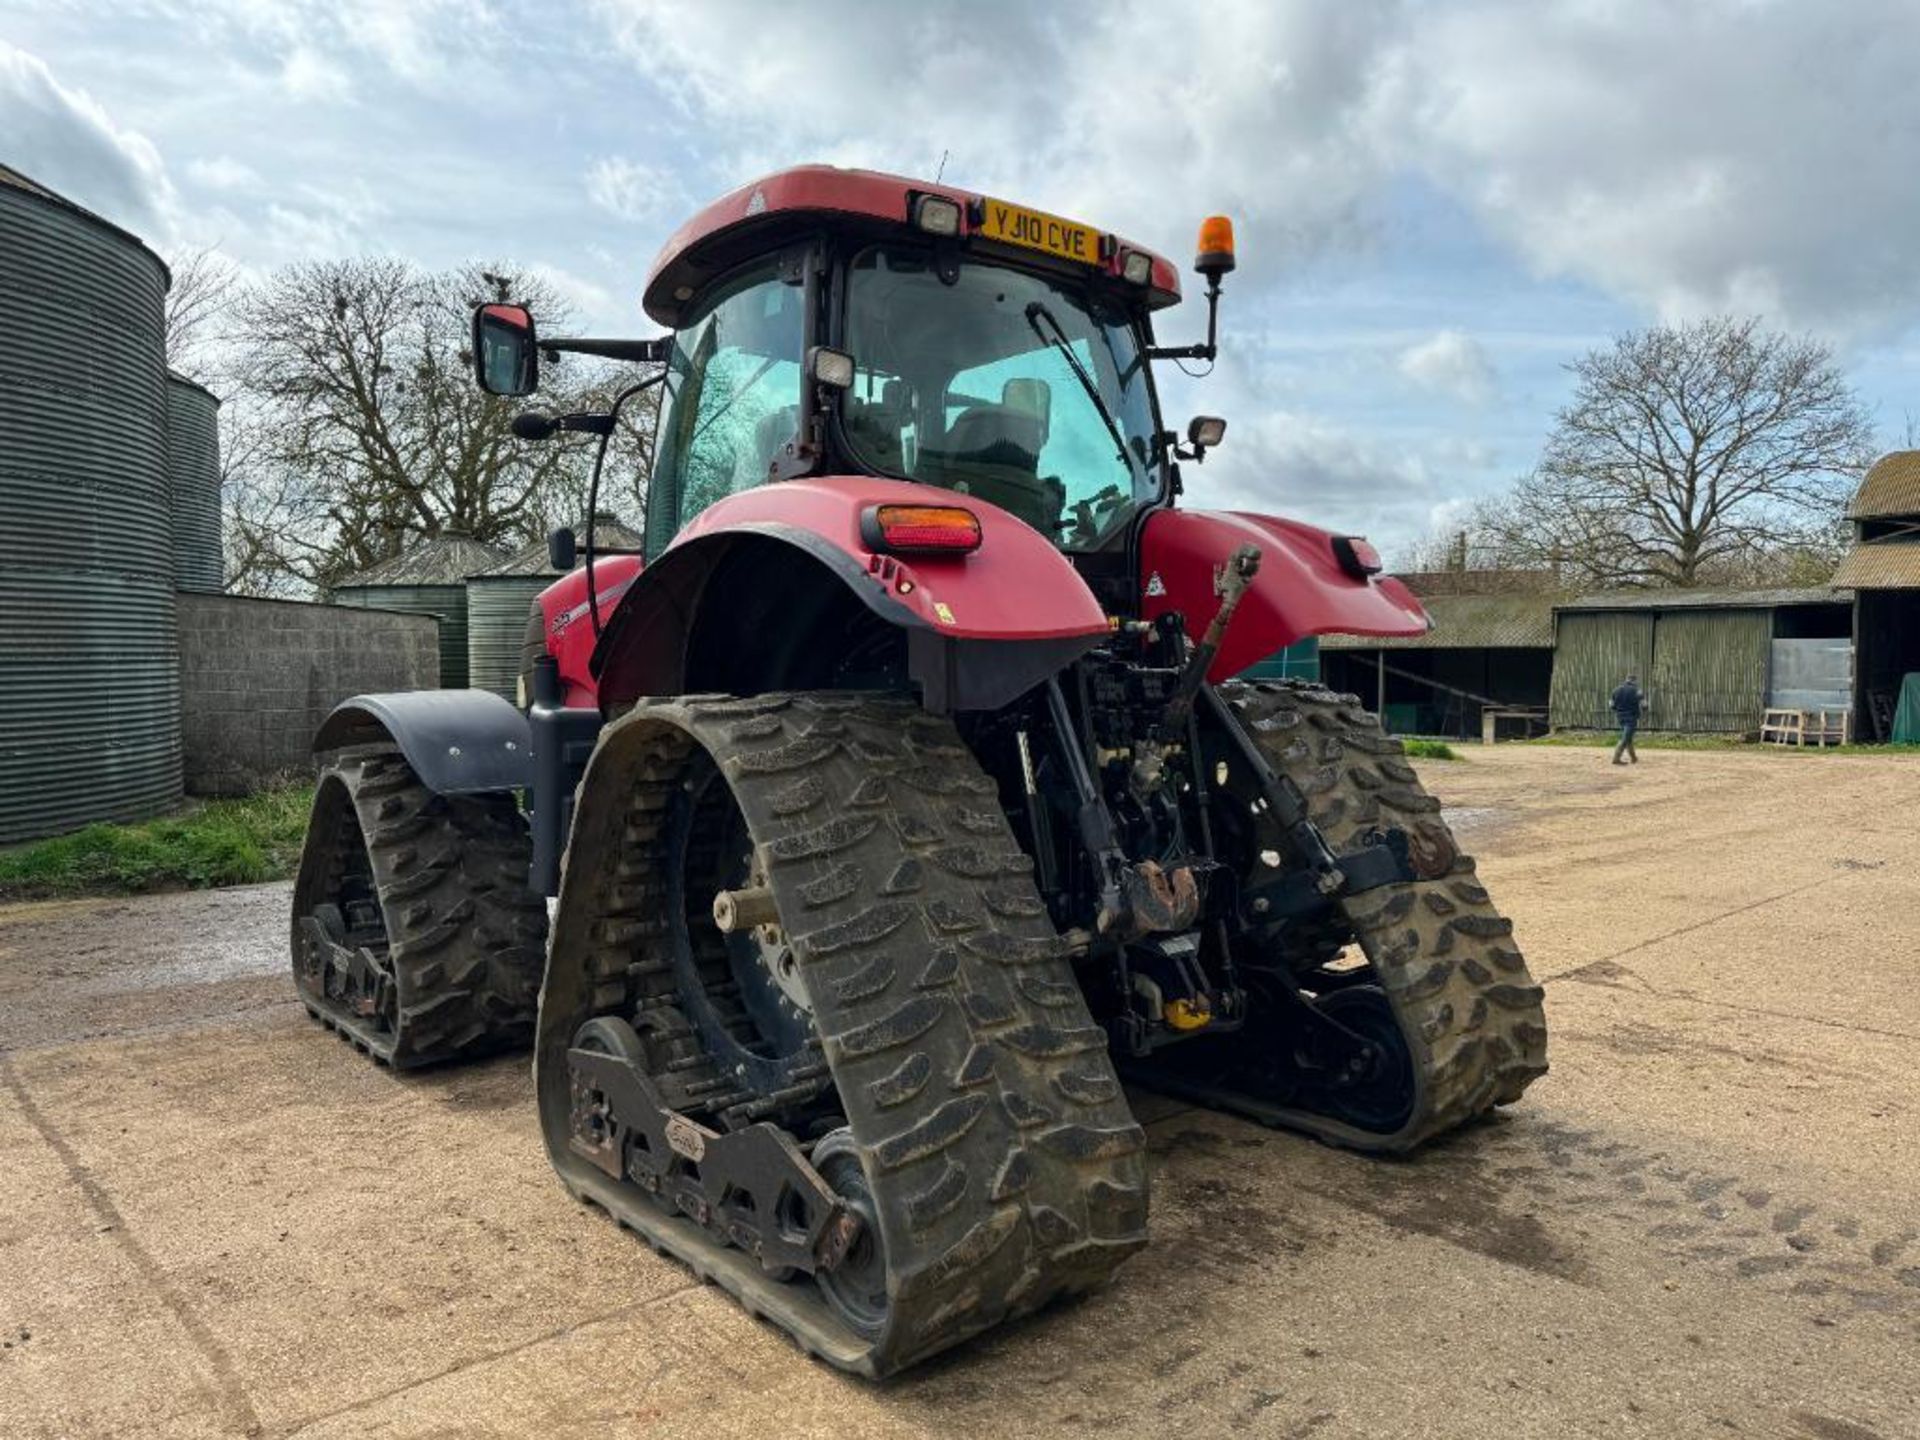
(1090, 516)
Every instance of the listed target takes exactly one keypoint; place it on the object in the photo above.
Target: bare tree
(367, 432)
(1449, 547)
(205, 284)
(1689, 453)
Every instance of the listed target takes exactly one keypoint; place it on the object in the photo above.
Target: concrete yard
(217, 1219)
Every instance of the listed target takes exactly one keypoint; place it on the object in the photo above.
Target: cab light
(1356, 556)
(1136, 266)
(920, 529)
(937, 215)
(831, 367)
(1206, 431)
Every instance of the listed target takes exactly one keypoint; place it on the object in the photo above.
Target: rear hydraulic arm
(1283, 798)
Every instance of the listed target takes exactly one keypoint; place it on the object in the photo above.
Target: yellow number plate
(1037, 230)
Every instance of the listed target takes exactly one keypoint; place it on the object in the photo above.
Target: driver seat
(993, 451)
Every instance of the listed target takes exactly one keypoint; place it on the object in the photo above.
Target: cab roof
(744, 222)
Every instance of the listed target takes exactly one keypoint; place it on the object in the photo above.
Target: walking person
(1626, 709)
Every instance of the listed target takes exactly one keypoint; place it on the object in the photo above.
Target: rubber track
(467, 939)
(1471, 1013)
(1005, 1163)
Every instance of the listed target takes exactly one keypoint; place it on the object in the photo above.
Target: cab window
(731, 401)
(1023, 390)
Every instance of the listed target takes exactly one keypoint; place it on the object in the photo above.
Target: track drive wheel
(414, 933)
(898, 1010)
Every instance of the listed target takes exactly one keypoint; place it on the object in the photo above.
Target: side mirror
(1204, 432)
(506, 355)
(563, 552)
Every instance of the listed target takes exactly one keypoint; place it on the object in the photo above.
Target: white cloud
(593, 304)
(317, 48)
(1296, 463)
(63, 138)
(1719, 156)
(1260, 117)
(1725, 155)
(1450, 363)
(633, 190)
(307, 74)
(223, 172)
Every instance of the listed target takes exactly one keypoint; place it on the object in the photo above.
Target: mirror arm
(644, 351)
(538, 425)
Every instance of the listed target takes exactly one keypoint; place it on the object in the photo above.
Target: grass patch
(218, 842)
(1418, 749)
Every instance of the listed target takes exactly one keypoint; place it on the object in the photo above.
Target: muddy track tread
(921, 941)
(467, 940)
(1471, 1013)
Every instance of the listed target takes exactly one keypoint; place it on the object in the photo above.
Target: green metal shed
(500, 600)
(430, 579)
(1704, 658)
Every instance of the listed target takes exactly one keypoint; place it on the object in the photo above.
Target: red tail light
(920, 529)
(1356, 556)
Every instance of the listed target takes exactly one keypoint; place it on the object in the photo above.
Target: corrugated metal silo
(89, 656)
(499, 601)
(430, 579)
(193, 480)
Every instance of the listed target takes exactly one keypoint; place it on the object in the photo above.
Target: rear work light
(937, 215)
(920, 529)
(1136, 266)
(1356, 556)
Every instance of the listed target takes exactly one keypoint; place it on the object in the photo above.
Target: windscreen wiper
(1037, 312)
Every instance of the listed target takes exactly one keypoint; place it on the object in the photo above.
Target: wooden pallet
(1806, 727)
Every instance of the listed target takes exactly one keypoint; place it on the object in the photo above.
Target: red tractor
(898, 799)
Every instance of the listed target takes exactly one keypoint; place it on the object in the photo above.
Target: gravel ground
(216, 1219)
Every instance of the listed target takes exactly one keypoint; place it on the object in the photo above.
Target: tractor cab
(845, 323)
(1026, 389)
(921, 422)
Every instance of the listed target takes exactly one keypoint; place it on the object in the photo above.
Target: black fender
(673, 624)
(459, 742)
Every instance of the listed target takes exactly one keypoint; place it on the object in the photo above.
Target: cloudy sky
(1438, 204)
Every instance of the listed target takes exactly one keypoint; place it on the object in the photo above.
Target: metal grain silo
(193, 483)
(429, 579)
(500, 599)
(89, 657)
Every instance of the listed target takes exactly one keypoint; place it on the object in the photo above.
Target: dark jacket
(1626, 702)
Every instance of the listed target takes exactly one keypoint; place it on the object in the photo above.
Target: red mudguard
(1015, 587)
(1300, 590)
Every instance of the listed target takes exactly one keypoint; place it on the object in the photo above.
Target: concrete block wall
(258, 676)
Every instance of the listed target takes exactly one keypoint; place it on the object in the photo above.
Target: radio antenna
(943, 168)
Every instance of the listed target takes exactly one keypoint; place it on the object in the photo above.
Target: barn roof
(1881, 565)
(1892, 487)
(1705, 599)
(1468, 622)
(608, 534)
(446, 559)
